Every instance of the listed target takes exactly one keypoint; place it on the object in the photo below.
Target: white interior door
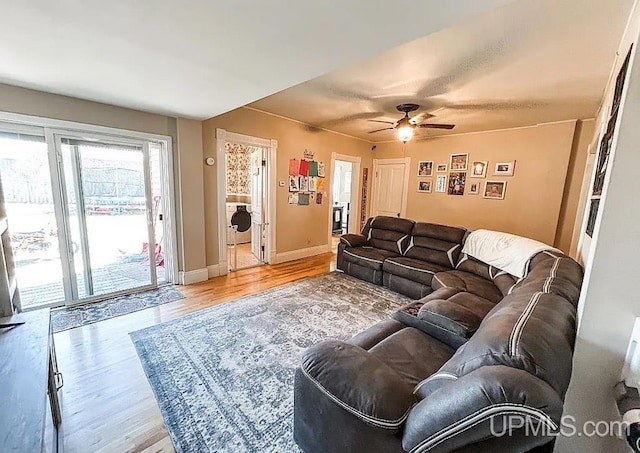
(390, 187)
(257, 202)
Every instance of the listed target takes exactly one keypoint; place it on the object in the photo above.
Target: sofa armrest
(491, 404)
(359, 383)
(353, 240)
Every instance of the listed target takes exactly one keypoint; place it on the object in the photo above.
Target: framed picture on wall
(505, 168)
(294, 183)
(457, 181)
(474, 188)
(425, 168)
(441, 183)
(494, 190)
(479, 169)
(442, 168)
(459, 162)
(424, 186)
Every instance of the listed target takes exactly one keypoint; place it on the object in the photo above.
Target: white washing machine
(244, 237)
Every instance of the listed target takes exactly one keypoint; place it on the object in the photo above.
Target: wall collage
(306, 180)
(459, 168)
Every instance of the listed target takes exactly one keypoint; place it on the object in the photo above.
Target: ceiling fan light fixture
(405, 133)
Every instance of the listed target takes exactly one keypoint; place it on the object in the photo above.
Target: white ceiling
(529, 62)
(201, 58)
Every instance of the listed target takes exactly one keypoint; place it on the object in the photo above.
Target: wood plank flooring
(107, 403)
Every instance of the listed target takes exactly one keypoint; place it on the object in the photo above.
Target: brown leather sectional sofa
(480, 362)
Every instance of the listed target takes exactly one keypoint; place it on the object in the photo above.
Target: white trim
(73, 126)
(300, 253)
(214, 270)
(223, 136)
(374, 186)
(354, 202)
(191, 277)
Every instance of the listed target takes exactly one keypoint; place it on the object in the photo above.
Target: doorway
(345, 190)
(390, 185)
(246, 194)
(246, 167)
(88, 214)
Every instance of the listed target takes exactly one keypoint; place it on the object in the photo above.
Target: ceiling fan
(405, 125)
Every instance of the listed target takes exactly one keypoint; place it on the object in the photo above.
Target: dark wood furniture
(29, 384)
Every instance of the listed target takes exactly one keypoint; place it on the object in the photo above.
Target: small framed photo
(424, 186)
(494, 190)
(474, 188)
(457, 181)
(441, 183)
(294, 183)
(504, 168)
(479, 169)
(441, 168)
(425, 168)
(459, 162)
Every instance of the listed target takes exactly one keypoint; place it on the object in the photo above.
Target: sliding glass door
(108, 215)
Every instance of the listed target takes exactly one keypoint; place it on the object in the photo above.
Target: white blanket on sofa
(505, 251)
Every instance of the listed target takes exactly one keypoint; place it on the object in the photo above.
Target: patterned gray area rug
(68, 318)
(223, 377)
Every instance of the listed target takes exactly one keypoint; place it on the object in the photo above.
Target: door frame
(356, 188)
(374, 185)
(48, 126)
(223, 136)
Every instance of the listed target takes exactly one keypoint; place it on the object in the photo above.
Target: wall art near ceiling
(293, 198)
(457, 181)
(303, 199)
(474, 188)
(441, 183)
(321, 169)
(424, 186)
(363, 200)
(313, 184)
(479, 169)
(425, 168)
(504, 168)
(494, 190)
(294, 167)
(294, 183)
(441, 168)
(459, 162)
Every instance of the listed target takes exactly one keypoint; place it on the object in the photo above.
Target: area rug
(223, 377)
(68, 318)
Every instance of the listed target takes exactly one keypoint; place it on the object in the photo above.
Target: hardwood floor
(107, 403)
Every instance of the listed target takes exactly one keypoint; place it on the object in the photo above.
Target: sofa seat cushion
(468, 282)
(412, 354)
(412, 269)
(368, 257)
(460, 313)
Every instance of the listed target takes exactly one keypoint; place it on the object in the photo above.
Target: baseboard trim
(191, 277)
(301, 253)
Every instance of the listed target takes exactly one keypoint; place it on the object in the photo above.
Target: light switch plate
(282, 183)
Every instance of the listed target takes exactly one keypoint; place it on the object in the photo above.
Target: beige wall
(298, 227)
(534, 194)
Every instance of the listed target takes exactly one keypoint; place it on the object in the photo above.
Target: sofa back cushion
(501, 279)
(438, 244)
(388, 233)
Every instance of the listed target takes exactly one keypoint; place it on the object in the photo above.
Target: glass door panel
(107, 199)
(26, 183)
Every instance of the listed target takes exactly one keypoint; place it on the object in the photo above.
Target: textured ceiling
(529, 62)
(200, 58)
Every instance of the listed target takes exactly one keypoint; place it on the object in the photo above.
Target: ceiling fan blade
(382, 121)
(436, 126)
(420, 117)
(384, 129)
